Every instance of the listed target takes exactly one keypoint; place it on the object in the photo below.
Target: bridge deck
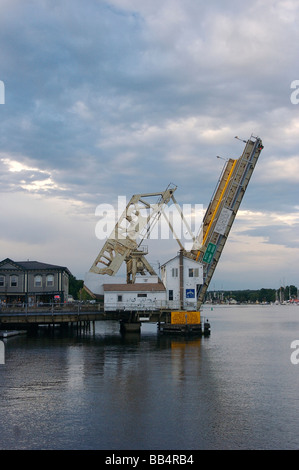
(74, 313)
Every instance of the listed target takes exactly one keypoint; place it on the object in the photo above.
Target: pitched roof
(33, 265)
(144, 287)
(177, 257)
(38, 265)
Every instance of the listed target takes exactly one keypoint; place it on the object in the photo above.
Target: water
(237, 389)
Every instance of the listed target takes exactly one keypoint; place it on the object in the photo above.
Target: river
(237, 389)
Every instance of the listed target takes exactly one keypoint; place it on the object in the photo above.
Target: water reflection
(75, 367)
(235, 389)
(186, 358)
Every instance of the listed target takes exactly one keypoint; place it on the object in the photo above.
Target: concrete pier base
(129, 327)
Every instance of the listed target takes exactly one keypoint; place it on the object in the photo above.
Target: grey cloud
(277, 234)
(125, 96)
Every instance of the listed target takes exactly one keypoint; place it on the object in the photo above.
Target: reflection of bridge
(27, 317)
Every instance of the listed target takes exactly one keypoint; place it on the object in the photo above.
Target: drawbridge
(142, 212)
(222, 210)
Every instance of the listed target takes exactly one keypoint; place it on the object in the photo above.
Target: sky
(120, 97)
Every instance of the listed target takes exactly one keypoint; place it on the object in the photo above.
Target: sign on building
(190, 293)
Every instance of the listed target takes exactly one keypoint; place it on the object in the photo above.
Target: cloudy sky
(118, 97)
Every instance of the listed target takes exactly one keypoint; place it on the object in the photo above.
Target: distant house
(32, 281)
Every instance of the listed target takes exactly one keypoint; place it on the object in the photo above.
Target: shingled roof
(37, 265)
(138, 287)
(34, 265)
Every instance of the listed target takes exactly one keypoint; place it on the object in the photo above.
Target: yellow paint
(183, 317)
(182, 345)
(218, 203)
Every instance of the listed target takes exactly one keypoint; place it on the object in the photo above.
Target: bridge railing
(41, 307)
(148, 306)
(79, 307)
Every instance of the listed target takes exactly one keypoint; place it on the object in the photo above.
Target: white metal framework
(135, 224)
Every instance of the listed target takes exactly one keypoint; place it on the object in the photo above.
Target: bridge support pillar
(130, 327)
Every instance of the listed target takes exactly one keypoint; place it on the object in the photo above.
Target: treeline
(240, 296)
(253, 296)
(76, 289)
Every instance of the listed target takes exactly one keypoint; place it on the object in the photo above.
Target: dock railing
(21, 307)
(41, 307)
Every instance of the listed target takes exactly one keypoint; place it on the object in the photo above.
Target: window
(170, 295)
(50, 280)
(174, 272)
(38, 281)
(141, 295)
(2, 281)
(119, 298)
(13, 281)
(193, 272)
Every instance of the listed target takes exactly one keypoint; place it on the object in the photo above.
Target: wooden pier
(24, 317)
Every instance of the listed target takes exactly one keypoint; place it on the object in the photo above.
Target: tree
(74, 286)
(266, 295)
(291, 292)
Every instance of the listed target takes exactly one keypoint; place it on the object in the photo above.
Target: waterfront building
(182, 278)
(33, 282)
(147, 293)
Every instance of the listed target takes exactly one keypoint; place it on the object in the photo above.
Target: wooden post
(181, 280)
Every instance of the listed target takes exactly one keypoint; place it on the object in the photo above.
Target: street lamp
(245, 141)
(225, 159)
